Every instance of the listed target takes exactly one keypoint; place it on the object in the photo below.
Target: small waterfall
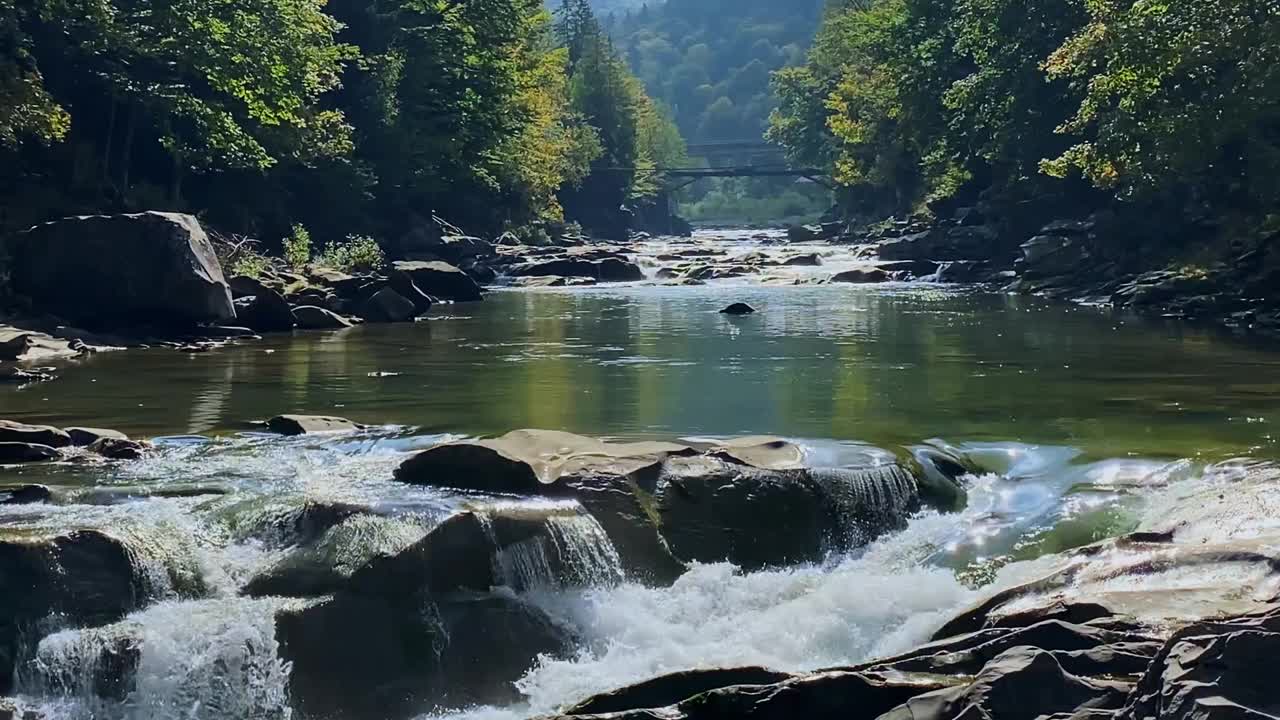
(566, 548)
(202, 660)
(871, 500)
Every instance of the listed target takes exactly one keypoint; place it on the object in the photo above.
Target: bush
(250, 264)
(356, 253)
(297, 247)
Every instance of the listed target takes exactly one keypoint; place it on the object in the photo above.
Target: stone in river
(810, 260)
(309, 424)
(387, 306)
(86, 436)
(17, 432)
(267, 311)
(152, 266)
(738, 309)
(25, 494)
(440, 280)
(17, 452)
(670, 689)
(873, 275)
(310, 317)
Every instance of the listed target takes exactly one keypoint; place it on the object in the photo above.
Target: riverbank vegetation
(1067, 105)
(346, 117)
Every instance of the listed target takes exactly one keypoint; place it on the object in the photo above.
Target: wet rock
(1211, 670)
(873, 275)
(714, 511)
(914, 268)
(84, 577)
(17, 452)
(804, 233)
(1052, 255)
(810, 260)
(86, 436)
(550, 281)
(98, 662)
(671, 689)
(523, 461)
(309, 317)
(111, 269)
(387, 306)
(25, 494)
(384, 658)
(267, 311)
(309, 425)
(119, 449)
(16, 432)
(440, 280)
(964, 271)
(738, 309)
(18, 345)
(605, 270)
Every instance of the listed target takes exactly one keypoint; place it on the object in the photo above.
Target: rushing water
(1080, 419)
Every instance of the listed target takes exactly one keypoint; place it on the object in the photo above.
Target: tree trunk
(106, 147)
(126, 151)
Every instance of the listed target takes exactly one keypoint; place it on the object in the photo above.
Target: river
(1074, 412)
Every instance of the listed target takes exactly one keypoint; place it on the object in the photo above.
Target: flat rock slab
(526, 460)
(16, 432)
(309, 425)
(86, 436)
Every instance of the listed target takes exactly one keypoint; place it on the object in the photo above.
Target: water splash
(571, 549)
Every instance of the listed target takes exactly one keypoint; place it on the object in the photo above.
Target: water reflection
(887, 365)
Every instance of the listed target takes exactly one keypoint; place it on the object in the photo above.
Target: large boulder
(861, 276)
(608, 269)
(367, 657)
(310, 317)
(86, 436)
(309, 424)
(387, 306)
(105, 269)
(658, 501)
(440, 280)
(82, 577)
(267, 311)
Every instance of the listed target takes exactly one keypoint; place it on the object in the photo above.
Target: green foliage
(297, 247)
(710, 60)
(250, 264)
(356, 254)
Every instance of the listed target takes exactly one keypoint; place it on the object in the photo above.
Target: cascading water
(571, 550)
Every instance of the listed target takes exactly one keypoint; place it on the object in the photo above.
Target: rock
(550, 281)
(387, 306)
(609, 269)
(17, 345)
(86, 577)
(804, 233)
(243, 286)
(1051, 255)
(1022, 682)
(810, 260)
(25, 494)
(384, 658)
(101, 663)
(914, 268)
(84, 436)
(1211, 670)
(523, 461)
(873, 275)
(963, 271)
(404, 286)
(309, 425)
(713, 511)
(119, 449)
(16, 432)
(671, 689)
(309, 317)
(12, 453)
(738, 309)
(267, 311)
(158, 267)
(440, 280)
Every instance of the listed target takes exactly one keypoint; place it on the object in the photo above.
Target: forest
(1168, 110)
(351, 117)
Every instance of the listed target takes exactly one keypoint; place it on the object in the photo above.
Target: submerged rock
(738, 309)
(309, 424)
(671, 689)
(119, 449)
(24, 494)
(103, 269)
(16, 432)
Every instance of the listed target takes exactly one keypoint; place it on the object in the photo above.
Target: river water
(1079, 418)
